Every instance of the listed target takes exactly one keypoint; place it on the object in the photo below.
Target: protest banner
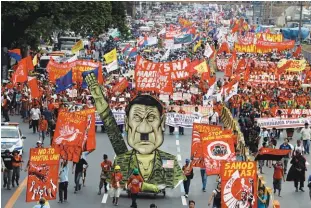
(165, 84)
(164, 98)
(215, 151)
(194, 90)
(238, 184)
(295, 65)
(180, 120)
(177, 69)
(282, 123)
(146, 75)
(119, 117)
(42, 174)
(196, 144)
(57, 70)
(264, 46)
(120, 86)
(89, 129)
(186, 96)
(293, 113)
(177, 96)
(69, 135)
(189, 109)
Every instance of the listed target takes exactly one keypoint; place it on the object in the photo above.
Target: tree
(23, 23)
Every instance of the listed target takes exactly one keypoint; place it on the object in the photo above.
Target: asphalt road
(180, 146)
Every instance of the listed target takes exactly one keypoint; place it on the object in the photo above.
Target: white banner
(282, 123)
(112, 66)
(172, 119)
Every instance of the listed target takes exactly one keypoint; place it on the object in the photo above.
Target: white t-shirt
(214, 116)
(305, 133)
(35, 113)
(198, 120)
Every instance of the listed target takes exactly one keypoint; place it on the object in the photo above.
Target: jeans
(306, 146)
(7, 176)
(42, 135)
(63, 189)
(6, 115)
(102, 183)
(187, 185)
(181, 130)
(234, 112)
(204, 178)
(78, 176)
(134, 197)
(15, 175)
(285, 162)
(35, 124)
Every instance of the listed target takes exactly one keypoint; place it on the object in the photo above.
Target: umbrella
(271, 154)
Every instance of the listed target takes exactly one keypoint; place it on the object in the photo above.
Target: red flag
(297, 52)
(120, 86)
(247, 73)
(34, 89)
(235, 27)
(29, 63)
(240, 66)
(224, 47)
(20, 75)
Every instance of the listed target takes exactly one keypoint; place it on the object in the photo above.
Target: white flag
(234, 91)
(208, 50)
(210, 91)
(166, 55)
(112, 66)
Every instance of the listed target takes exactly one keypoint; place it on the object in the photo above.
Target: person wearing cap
(106, 166)
(17, 167)
(7, 169)
(188, 172)
(115, 179)
(134, 184)
(305, 137)
(42, 203)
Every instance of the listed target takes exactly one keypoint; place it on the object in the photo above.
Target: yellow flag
(195, 48)
(201, 68)
(35, 60)
(111, 56)
(77, 47)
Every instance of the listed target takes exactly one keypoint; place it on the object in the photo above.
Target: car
(11, 137)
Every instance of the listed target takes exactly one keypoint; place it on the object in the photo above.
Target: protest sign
(120, 86)
(293, 113)
(238, 184)
(42, 174)
(282, 123)
(177, 96)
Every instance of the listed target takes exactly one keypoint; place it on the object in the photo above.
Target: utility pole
(300, 22)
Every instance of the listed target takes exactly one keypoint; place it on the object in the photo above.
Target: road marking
(105, 197)
(178, 157)
(114, 157)
(183, 200)
(177, 142)
(182, 190)
(178, 149)
(16, 194)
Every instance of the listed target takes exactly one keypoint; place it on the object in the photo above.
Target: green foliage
(23, 23)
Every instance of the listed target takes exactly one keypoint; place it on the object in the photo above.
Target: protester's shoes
(79, 187)
(8, 188)
(13, 186)
(60, 202)
(4, 185)
(301, 189)
(99, 193)
(75, 192)
(186, 195)
(17, 183)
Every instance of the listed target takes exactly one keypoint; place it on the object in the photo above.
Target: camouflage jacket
(171, 177)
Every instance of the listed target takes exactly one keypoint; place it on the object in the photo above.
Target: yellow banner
(295, 65)
(111, 56)
(77, 47)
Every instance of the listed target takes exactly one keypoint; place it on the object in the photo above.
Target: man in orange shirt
(106, 166)
(115, 180)
(43, 127)
(278, 175)
(17, 167)
(134, 184)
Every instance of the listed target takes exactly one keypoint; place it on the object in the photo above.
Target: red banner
(215, 151)
(69, 135)
(42, 174)
(293, 113)
(20, 75)
(221, 63)
(57, 70)
(89, 139)
(34, 89)
(179, 70)
(198, 131)
(238, 184)
(120, 86)
(146, 75)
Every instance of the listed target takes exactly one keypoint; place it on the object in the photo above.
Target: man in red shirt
(115, 180)
(278, 175)
(106, 168)
(134, 184)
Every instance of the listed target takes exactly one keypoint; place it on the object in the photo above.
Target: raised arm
(102, 107)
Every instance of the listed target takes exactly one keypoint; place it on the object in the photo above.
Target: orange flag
(235, 27)
(34, 89)
(20, 75)
(29, 63)
(224, 47)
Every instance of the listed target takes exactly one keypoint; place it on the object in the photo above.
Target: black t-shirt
(8, 160)
(79, 165)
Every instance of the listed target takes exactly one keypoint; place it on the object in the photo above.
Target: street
(179, 146)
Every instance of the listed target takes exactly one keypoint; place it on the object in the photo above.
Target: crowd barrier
(230, 122)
